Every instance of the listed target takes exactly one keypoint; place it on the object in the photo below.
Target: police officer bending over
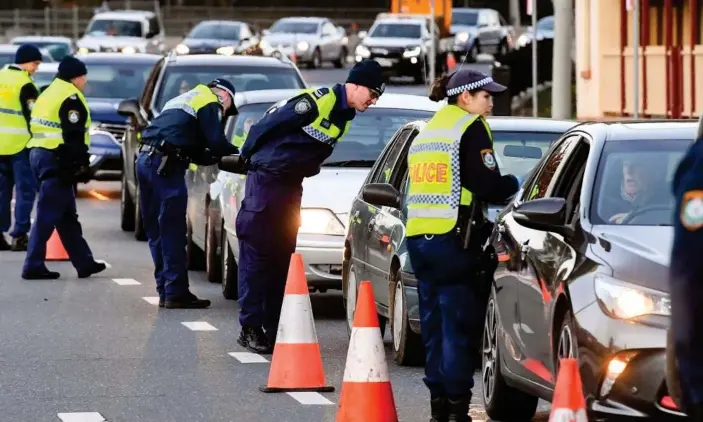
(15, 111)
(289, 143)
(686, 277)
(189, 128)
(59, 158)
(457, 142)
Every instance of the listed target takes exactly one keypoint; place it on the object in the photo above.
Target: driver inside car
(643, 185)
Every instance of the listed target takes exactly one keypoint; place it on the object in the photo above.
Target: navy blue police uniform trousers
(267, 228)
(163, 201)
(56, 208)
(16, 172)
(449, 315)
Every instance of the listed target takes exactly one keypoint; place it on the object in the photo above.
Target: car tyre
(673, 382)
(501, 401)
(230, 286)
(213, 267)
(408, 349)
(195, 259)
(139, 232)
(127, 212)
(350, 289)
(316, 61)
(342, 60)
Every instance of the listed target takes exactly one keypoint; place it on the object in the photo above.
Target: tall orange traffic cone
(451, 61)
(297, 361)
(54, 248)
(568, 403)
(367, 395)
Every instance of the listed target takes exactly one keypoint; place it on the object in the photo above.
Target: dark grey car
(375, 245)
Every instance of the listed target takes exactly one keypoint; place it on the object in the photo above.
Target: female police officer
(452, 170)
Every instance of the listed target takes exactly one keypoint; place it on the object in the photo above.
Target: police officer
(685, 276)
(452, 171)
(189, 128)
(59, 158)
(16, 104)
(289, 143)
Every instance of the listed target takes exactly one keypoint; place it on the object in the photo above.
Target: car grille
(117, 131)
(389, 52)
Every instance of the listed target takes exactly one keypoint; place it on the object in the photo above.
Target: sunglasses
(374, 95)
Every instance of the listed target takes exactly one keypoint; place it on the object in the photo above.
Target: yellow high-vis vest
(14, 133)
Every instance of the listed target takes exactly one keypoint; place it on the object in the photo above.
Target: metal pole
(636, 58)
(535, 107)
(561, 72)
(433, 51)
(75, 22)
(47, 21)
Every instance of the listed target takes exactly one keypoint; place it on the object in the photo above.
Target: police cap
(469, 80)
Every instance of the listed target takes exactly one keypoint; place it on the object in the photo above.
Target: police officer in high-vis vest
(289, 143)
(16, 101)
(452, 172)
(686, 278)
(59, 158)
(190, 129)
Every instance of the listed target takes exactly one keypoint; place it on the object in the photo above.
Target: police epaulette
(319, 93)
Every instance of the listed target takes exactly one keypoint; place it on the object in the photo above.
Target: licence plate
(385, 62)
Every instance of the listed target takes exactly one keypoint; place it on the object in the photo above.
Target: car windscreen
(633, 184)
(43, 78)
(518, 152)
(115, 28)
(215, 31)
(116, 80)
(397, 30)
(465, 18)
(361, 145)
(180, 79)
(293, 27)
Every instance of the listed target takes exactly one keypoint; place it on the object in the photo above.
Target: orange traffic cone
(54, 248)
(297, 361)
(568, 403)
(367, 395)
(451, 61)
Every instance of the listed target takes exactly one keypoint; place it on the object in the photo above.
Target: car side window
(154, 28)
(543, 181)
(150, 84)
(386, 167)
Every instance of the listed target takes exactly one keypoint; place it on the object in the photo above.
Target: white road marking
(310, 398)
(199, 326)
(246, 357)
(107, 264)
(153, 300)
(81, 417)
(126, 281)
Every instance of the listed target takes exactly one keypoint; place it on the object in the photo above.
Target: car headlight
(626, 301)
(462, 37)
(129, 50)
(264, 44)
(523, 40)
(320, 221)
(412, 51)
(226, 51)
(302, 46)
(182, 49)
(362, 51)
(83, 50)
(92, 158)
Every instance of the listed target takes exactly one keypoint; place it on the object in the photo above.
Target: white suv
(126, 31)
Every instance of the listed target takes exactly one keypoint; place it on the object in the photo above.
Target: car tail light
(668, 403)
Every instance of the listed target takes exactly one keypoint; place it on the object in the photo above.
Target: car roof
(48, 38)
(124, 14)
(220, 22)
(219, 59)
(641, 130)
(393, 18)
(48, 67)
(533, 124)
(303, 19)
(118, 57)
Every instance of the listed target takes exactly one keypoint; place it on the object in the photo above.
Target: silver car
(311, 40)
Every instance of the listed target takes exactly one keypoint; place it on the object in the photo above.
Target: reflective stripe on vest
(192, 101)
(14, 133)
(322, 128)
(45, 122)
(435, 192)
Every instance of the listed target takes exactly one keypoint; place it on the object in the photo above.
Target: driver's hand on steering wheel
(617, 218)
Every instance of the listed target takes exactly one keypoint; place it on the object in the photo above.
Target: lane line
(126, 281)
(199, 326)
(153, 300)
(246, 357)
(310, 398)
(81, 417)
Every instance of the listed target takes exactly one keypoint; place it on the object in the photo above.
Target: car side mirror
(130, 108)
(232, 164)
(381, 195)
(545, 214)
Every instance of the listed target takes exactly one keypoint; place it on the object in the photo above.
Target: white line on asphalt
(126, 281)
(107, 264)
(309, 398)
(199, 326)
(154, 300)
(81, 417)
(246, 357)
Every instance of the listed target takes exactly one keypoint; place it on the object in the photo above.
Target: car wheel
(350, 291)
(501, 401)
(566, 346)
(673, 383)
(229, 268)
(408, 349)
(213, 267)
(139, 232)
(194, 256)
(472, 55)
(342, 60)
(316, 61)
(127, 212)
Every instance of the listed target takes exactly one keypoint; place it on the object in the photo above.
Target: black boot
(189, 301)
(43, 274)
(4, 246)
(459, 410)
(439, 410)
(94, 268)
(254, 339)
(20, 243)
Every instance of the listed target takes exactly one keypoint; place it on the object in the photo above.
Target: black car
(220, 37)
(175, 75)
(583, 255)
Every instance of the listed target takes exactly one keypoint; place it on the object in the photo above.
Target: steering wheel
(645, 210)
